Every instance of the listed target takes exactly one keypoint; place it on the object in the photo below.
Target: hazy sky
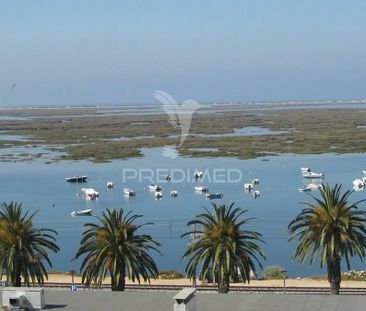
(55, 52)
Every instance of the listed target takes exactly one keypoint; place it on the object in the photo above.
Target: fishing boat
(158, 195)
(214, 195)
(201, 188)
(255, 181)
(85, 212)
(76, 179)
(174, 193)
(129, 192)
(154, 187)
(110, 184)
(168, 178)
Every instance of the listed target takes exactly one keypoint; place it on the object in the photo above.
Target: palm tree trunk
(120, 285)
(223, 286)
(15, 277)
(334, 274)
(18, 281)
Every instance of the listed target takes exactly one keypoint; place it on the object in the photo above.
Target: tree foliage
(23, 248)
(114, 248)
(223, 248)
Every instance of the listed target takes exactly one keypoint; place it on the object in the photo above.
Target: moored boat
(312, 175)
(201, 188)
(311, 187)
(211, 196)
(305, 189)
(85, 212)
(358, 183)
(248, 186)
(154, 187)
(129, 192)
(256, 194)
(110, 184)
(174, 193)
(305, 170)
(158, 195)
(198, 174)
(77, 179)
(90, 192)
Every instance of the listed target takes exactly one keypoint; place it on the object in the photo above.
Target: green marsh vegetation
(101, 138)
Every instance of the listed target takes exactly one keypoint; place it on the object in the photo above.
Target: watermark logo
(180, 117)
(177, 175)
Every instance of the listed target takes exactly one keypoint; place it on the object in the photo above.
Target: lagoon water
(43, 187)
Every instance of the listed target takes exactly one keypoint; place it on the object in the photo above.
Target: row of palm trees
(222, 249)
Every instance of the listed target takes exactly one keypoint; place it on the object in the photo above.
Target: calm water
(42, 186)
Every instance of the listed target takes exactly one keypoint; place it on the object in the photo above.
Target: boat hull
(78, 179)
(211, 196)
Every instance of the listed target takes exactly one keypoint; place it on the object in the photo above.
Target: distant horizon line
(151, 104)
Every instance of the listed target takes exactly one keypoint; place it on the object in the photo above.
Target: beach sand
(66, 278)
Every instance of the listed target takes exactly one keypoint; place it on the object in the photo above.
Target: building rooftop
(163, 301)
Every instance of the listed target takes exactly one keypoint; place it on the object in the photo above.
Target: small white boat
(110, 184)
(154, 187)
(201, 188)
(90, 192)
(168, 177)
(174, 193)
(198, 174)
(357, 188)
(305, 170)
(256, 194)
(214, 195)
(85, 212)
(129, 192)
(255, 181)
(312, 175)
(248, 186)
(305, 189)
(364, 173)
(311, 187)
(158, 195)
(358, 183)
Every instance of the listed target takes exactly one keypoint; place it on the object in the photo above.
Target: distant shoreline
(213, 103)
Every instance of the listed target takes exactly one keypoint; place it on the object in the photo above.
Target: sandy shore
(64, 278)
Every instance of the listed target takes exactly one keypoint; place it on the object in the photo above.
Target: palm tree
(331, 227)
(222, 246)
(114, 248)
(23, 247)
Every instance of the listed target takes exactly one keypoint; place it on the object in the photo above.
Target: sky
(74, 52)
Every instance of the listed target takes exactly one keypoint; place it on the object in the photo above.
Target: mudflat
(101, 134)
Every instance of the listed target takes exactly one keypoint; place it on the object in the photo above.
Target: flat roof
(81, 300)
